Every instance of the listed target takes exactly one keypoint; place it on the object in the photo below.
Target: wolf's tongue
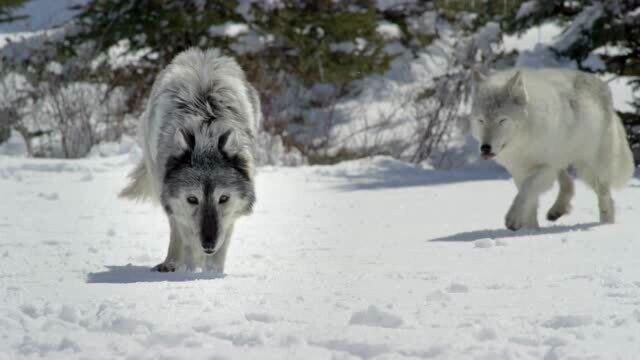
(488, 156)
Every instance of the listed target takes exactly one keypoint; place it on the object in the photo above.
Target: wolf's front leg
(524, 209)
(606, 205)
(173, 254)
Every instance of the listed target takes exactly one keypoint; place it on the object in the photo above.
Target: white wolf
(198, 136)
(537, 124)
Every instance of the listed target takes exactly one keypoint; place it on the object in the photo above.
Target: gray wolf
(538, 124)
(198, 137)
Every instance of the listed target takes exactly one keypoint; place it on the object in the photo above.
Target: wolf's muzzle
(485, 151)
(209, 229)
(209, 250)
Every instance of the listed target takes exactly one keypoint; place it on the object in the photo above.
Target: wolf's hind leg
(175, 244)
(602, 190)
(562, 205)
(523, 211)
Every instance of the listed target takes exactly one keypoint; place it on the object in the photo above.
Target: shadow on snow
(128, 274)
(468, 236)
(389, 173)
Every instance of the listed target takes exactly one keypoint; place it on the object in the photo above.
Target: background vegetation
(86, 83)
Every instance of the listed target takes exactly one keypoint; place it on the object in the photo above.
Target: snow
(361, 260)
(375, 317)
(534, 49)
(14, 146)
(119, 55)
(228, 29)
(537, 35)
(386, 5)
(388, 31)
(578, 26)
(54, 68)
(526, 9)
(7, 38)
(126, 145)
(568, 321)
(622, 92)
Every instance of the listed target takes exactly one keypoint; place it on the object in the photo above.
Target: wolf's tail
(140, 186)
(621, 160)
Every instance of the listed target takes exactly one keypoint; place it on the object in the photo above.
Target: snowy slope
(369, 259)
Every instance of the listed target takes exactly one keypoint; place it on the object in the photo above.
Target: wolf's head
(207, 186)
(497, 112)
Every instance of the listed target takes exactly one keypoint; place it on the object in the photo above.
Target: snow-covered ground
(369, 259)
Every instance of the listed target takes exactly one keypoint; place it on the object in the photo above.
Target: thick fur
(537, 124)
(198, 136)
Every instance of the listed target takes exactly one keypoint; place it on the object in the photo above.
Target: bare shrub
(447, 101)
(79, 115)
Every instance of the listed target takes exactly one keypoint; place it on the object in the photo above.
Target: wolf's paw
(515, 219)
(513, 222)
(607, 217)
(164, 267)
(557, 211)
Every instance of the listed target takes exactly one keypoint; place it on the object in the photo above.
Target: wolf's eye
(192, 200)
(502, 121)
(223, 199)
(481, 121)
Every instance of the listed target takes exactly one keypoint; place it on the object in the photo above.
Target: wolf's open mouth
(488, 156)
(209, 252)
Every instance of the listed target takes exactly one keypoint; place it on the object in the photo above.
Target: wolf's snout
(209, 247)
(486, 151)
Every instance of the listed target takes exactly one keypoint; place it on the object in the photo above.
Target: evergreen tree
(303, 37)
(7, 8)
(480, 12)
(154, 29)
(309, 35)
(595, 24)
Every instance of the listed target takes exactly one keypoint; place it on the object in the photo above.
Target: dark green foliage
(613, 27)
(302, 31)
(305, 31)
(158, 28)
(544, 11)
(301, 42)
(482, 11)
(631, 123)
(297, 45)
(7, 8)
(166, 27)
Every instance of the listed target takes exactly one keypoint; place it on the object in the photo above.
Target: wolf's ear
(185, 139)
(228, 143)
(516, 90)
(230, 147)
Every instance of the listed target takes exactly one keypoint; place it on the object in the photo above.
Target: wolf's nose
(485, 149)
(208, 246)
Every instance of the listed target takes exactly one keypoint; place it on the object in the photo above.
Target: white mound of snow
(373, 316)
